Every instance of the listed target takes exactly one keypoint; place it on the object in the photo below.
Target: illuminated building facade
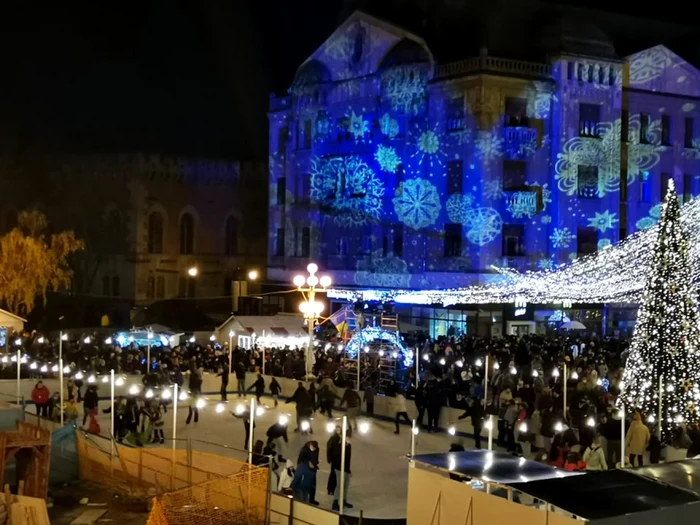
(391, 170)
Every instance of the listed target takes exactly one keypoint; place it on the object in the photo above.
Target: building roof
(497, 467)
(13, 316)
(606, 494)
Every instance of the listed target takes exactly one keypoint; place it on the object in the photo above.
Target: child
(275, 390)
(286, 479)
(71, 411)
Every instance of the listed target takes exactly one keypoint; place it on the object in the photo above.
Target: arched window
(151, 287)
(11, 220)
(231, 236)
(187, 234)
(160, 287)
(105, 286)
(155, 232)
(116, 292)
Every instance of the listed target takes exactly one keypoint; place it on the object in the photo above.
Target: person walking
(277, 434)
(611, 431)
(594, 456)
(332, 441)
(304, 406)
(41, 397)
(368, 398)
(309, 455)
(476, 411)
(245, 417)
(421, 402)
(239, 368)
(275, 390)
(90, 402)
(195, 392)
(336, 463)
(398, 403)
(223, 374)
(259, 386)
(352, 398)
(637, 440)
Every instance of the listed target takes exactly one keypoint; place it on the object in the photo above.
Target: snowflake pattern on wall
(387, 158)
(358, 126)
(522, 204)
(489, 146)
(546, 219)
(417, 203)
(484, 225)
(458, 206)
(561, 237)
(347, 189)
(428, 148)
(404, 88)
(389, 126)
(655, 211)
(645, 223)
(493, 189)
(604, 243)
(545, 264)
(603, 221)
(460, 137)
(545, 191)
(650, 64)
(383, 272)
(694, 152)
(604, 153)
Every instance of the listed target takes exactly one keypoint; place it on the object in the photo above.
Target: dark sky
(170, 76)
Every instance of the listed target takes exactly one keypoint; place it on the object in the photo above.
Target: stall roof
(279, 325)
(613, 493)
(497, 467)
(683, 474)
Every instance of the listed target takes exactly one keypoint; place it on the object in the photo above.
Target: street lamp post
(62, 337)
(310, 307)
(148, 354)
(230, 351)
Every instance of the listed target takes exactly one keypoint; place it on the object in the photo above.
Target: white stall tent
(267, 330)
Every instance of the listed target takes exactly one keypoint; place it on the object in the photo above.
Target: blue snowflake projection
(322, 125)
(484, 225)
(546, 219)
(542, 104)
(389, 126)
(603, 221)
(428, 148)
(545, 191)
(460, 137)
(489, 146)
(604, 153)
(383, 272)
(369, 335)
(650, 64)
(645, 223)
(573, 256)
(404, 88)
(417, 203)
(545, 264)
(358, 126)
(604, 243)
(347, 189)
(519, 143)
(561, 237)
(522, 204)
(493, 189)
(387, 158)
(655, 211)
(694, 152)
(458, 207)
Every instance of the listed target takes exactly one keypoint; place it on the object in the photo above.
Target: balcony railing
(486, 63)
(519, 134)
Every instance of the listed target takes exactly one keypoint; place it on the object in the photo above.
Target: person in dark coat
(309, 456)
(132, 415)
(332, 441)
(239, 368)
(277, 434)
(90, 402)
(304, 406)
(275, 390)
(303, 483)
(259, 387)
(224, 382)
(244, 416)
(337, 465)
(476, 411)
(421, 403)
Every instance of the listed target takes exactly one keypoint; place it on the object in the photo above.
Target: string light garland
(663, 365)
(615, 274)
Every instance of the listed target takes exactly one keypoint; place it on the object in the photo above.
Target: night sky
(178, 77)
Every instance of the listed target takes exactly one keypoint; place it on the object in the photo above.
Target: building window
(305, 186)
(366, 244)
(587, 181)
(455, 114)
(645, 186)
(150, 287)
(187, 234)
(513, 240)
(116, 286)
(281, 191)
(279, 242)
(687, 187)
(611, 76)
(664, 184)
(399, 175)
(513, 175)
(231, 236)
(588, 120)
(644, 128)
(666, 130)
(304, 135)
(624, 125)
(155, 232)
(397, 241)
(453, 240)
(282, 139)
(160, 287)
(688, 136)
(586, 241)
(454, 177)
(105, 286)
(516, 112)
(601, 75)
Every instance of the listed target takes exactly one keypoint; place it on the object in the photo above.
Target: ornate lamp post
(310, 307)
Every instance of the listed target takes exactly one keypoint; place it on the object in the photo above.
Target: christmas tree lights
(663, 365)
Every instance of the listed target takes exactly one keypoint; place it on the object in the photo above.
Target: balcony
(519, 143)
(488, 64)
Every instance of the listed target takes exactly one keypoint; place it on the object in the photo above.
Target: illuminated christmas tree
(666, 342)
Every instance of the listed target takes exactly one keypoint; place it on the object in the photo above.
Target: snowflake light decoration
(546, 219)
(493, 189)
(603, 221)
(604, 153)
(389, 126)
(489, 146)
(649, 64)
(347, 189)
(428, 147)
(561, 237)
(458, 207)
(369, 335)
(545, 191)
(545, 264)
(604, 243)
(522, 204)
(383, 272)
(694, 152)
(645, 223)
(404, 88)
(417, 203)
(655, 211)
(358, 126)
(484, 225)
(387, 158)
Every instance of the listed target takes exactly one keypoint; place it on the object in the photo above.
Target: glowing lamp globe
(192, 272)
(330, 427)
(299, 281)
(253, 275)
(134, 390)
(477, 363)
(66, 370)
(452, 430)
(231, 333)
(44, 369)
(183, 396)
(32, 366)
(149, 393)
(87, 340)
(555, 372)
(304, 307)
(312, 280)
(260, 410)
(240, 409)
(119, 381)
(363, 427)
(305, 426)
(108, 341)
(64, 337)
(220, 408)
(283, 420)
(40, 340)
(312, 268)
(166, 394)
(415, 431)
(201, 403)
(54, 368)
(325, 281)
(150, 335)
(105, 379)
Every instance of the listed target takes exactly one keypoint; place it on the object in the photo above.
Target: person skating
(336, 437)
(275, 390)
(277, 434)
(90, 402)
(259, 386)
(352, 398)
(223, 374)
(398, 404)
(304, 406)
(239, 368)
(336, 463)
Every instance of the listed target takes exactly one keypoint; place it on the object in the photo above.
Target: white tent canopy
(267, 330)
(10, 323)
